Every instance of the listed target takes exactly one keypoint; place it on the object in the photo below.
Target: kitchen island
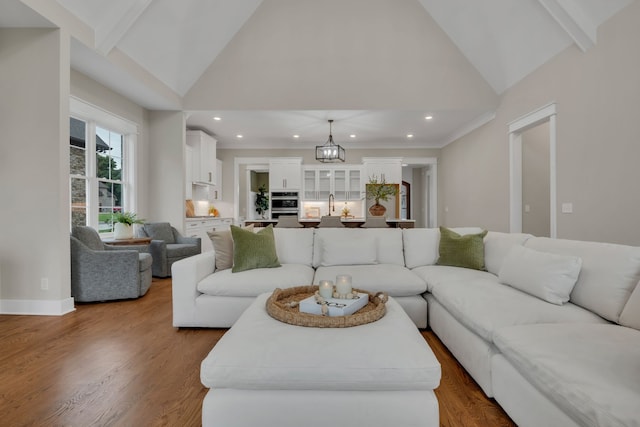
(348, 222)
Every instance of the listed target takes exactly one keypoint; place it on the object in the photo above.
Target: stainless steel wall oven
(284, 203)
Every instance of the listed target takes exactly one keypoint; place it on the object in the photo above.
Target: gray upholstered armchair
(101, 272)
(167, 246)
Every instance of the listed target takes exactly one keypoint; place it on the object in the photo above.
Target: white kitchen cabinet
(317, 182)
(198, 227)
(348, 183)
(384, 169)
(345, 183)
(204, 157)
(285, 174)
(216, 191)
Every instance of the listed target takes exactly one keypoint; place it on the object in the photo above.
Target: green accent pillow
(253, 250)
(461, 251)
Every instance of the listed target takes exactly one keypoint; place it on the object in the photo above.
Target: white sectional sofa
(574, 363)
(202, 298)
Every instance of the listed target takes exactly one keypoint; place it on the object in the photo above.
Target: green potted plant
(377, 191)
(123, 224)
(262, 201)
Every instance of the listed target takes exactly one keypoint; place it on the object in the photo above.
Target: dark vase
(377, 210)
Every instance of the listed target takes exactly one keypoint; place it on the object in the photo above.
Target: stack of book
(337, 307)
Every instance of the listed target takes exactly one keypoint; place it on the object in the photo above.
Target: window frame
(94, 117)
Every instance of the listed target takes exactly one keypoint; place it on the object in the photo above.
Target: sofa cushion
(89, 237)
(497, 245)
(160, 231)
(181, 250)
(223, 247)
(294, 245)
(251, 283)
(630, 315)
(348, 252)
(609, 273)
(484, 305)
(550, 277)
(395, 280)
(389, 249)
(461, 250)
(253, 250)
(420, 246)
(435, 275)
(589, 371)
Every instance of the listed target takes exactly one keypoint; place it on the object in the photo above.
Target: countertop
(318, 220)
(197, 218)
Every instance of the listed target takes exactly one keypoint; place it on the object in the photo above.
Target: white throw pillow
(349, 252)
(550, 277)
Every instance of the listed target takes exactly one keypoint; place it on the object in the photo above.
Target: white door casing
(516, 128)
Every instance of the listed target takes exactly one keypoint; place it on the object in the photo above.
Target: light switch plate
(567, 208)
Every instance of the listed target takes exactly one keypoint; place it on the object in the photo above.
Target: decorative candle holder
(343, 285)
(325, 288)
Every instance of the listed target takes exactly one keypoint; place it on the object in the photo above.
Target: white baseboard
(37, 307)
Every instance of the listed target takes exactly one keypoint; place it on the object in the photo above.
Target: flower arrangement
(123, 224)
(346, 211)
(128, 218)
(380, 190)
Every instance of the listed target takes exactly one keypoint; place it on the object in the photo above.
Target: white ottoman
(268, 373)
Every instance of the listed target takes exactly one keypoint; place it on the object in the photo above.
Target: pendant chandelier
(329, 152)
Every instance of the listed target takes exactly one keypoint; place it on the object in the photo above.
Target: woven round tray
(279, 307)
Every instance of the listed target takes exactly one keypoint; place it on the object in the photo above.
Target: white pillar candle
(343, 285)
(325, 288)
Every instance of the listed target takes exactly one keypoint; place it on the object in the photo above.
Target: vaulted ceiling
(268, 68)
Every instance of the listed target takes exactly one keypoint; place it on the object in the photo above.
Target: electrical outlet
(44, 283)
(527, 208)
(567, 208)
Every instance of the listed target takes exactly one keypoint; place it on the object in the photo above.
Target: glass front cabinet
(345, 183)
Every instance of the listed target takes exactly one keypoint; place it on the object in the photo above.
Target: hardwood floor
(123, 364)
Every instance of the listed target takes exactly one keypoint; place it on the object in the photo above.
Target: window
(100, 183)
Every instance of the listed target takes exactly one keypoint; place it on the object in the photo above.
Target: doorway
(421, 173)
(248, 171)
(405, 200)
(536, 219)
(527, 129)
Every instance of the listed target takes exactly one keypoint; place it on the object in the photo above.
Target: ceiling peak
(112, 30)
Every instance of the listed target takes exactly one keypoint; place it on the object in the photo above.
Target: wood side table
(128, 242)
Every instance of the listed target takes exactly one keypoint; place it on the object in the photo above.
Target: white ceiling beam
(572, 18)
(110, 32)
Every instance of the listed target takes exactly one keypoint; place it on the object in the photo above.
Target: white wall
(34, 165)
(166, 168)
(596, 93)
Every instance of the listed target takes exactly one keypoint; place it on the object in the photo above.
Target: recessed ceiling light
(409, 135)
(352, 135)
(428, 117)
(296, 136)
(216, 118)
(238, 136)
